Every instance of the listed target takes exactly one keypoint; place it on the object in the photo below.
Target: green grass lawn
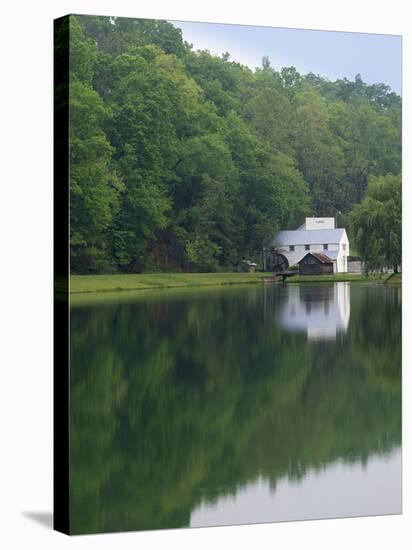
(145, 281)
(336, 277)
(109, 283)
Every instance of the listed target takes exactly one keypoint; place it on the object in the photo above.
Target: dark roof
(319, 256)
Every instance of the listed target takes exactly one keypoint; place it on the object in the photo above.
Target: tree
(153, 102)
(377, 223)
(95, 186)
(183, 160)
(270, 115)
(318, 153)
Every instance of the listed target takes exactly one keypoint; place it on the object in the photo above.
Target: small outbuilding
(315, 263)
(247, 266)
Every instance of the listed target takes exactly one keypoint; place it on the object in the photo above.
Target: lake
(243, 404)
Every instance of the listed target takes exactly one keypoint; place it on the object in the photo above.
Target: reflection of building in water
(322, 311)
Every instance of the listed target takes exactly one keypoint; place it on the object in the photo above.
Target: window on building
(325, 247)
(307, 247)
(344, 247)
(291, 248)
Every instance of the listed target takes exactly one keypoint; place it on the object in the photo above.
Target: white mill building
(315, 235)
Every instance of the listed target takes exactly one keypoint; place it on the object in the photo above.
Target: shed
(247, 266)
(315, 263)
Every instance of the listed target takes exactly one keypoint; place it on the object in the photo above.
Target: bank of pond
(146, 281)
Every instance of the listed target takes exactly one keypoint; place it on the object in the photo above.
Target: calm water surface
(235, 405)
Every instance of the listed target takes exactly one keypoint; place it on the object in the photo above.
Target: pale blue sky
(377, 57)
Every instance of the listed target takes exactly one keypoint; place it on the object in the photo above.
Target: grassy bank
(80, 284)
(336, 277)
(395, 279)
(145, 281)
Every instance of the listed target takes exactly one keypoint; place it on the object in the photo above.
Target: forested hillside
(181, 160)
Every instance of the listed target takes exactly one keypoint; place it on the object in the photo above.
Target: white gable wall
(342, 259)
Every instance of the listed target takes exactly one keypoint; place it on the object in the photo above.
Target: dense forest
(185, 161)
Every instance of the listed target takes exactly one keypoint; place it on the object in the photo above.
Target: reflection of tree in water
(184, 399)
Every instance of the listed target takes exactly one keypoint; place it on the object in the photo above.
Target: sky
(376, 57)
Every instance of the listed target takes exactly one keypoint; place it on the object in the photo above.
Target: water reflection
(336, 491)
(320, 311)
(182, 400)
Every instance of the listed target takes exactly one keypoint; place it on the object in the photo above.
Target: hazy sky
(377, 57)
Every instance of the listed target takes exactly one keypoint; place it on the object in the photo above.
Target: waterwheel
(280, 263)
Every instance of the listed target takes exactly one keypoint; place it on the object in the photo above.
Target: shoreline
(93, 284)
(87, 284)
(340, 278)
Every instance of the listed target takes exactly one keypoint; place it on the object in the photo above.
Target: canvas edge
(61, 326)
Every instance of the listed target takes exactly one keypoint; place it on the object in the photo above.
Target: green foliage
(95, 186)
(270, 116)
(376, 223)
(319, 156)
(202, 254)
(181, 160)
